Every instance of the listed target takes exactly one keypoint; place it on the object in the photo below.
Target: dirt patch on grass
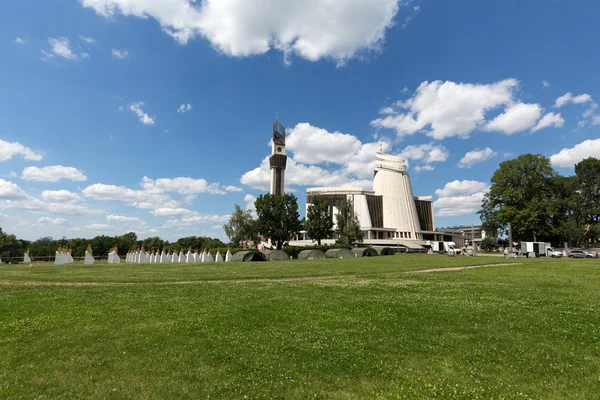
(244, 281)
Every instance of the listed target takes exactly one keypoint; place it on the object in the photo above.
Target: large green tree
(278, 217)
(587, 173)
(348, 226)
(241, 226)
(319, 221)
(520, 196)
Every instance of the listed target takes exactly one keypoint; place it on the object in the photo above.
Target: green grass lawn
(357, 328)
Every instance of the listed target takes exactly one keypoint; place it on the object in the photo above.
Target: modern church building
(390, 214)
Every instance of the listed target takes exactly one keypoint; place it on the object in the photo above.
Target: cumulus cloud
(550, 119)
(53, 221)
(97, 227)
(461, 188)
(424, 168)
(312, 29)
(10, 191)
(249, 200)
(134, 198)
(427, 153)
(59, 47)
(52, 174)
(10, 149)
(60, 196)
(567, 158)
(13, 197)
(119, 54)
(460, 198)
(569, 98)
(184, 108)
(181, 185)
(20, 41)
(449, 109)
(232, 188)
(125, 219)
(87, 39)
(136, 108)
(458, 205)
(475, 157)
(312, 145)
(517, 118)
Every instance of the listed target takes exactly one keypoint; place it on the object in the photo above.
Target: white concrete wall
(399, 209)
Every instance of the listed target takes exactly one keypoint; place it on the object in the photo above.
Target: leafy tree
(348, 226)
(318, 223)
(489, 243)
(278, 217)
(520, 195)
(588, 210)
(241, 226)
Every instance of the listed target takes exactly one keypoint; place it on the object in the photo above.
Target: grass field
(357, 328)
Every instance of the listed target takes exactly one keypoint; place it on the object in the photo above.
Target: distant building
(278, 159)
(389, 215)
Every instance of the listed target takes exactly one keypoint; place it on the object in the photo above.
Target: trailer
(443, 247)
(539, 249)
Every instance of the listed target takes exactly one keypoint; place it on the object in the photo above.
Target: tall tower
(399, 209)
(278, 159)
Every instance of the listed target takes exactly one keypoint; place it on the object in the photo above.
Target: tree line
(11, 247)
(529, 201)
(278, 219)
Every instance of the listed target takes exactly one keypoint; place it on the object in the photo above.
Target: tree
(348, 226)
(520, 195)
(318, 219)
(489, 243)
(278, 217)
(241, 226)
(588, 207)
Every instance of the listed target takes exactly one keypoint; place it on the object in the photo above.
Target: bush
(489, 243)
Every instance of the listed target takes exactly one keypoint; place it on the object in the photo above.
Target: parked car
(581, 254)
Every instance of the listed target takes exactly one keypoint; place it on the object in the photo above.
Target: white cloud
(462, 188)
(424, 168)
(20, 41)
(427, 153)
(53, 221)
(475, 157)
(122, 218)
(546, 84)
(10, 191)
(517, 118)
(569, 98)
(449, 109)
(311, 29)
(232, 188)
(59, 47)
(88, 40)
(119, 54)
(8, 150)
(196, 219)
(10, 174)
(173, 212)
(458, 205)
(184, 108)
(183, 186)
(137, 109)
(52, 174)
(60, 196)
(97, 227)
(13, 197)
(134, 198)
(567, 158)
(312, 145)
(550, 119)
(249, 200)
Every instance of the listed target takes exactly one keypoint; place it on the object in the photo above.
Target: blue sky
(155, 115)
